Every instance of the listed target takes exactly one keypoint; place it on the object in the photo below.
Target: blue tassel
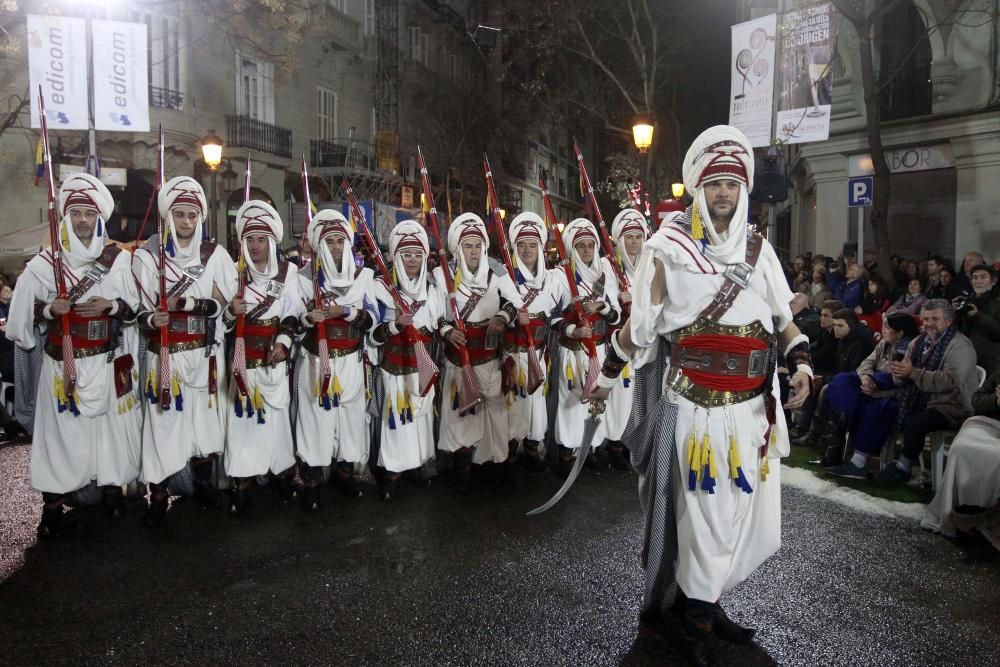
(72, 405)
(62, 407)
(179, 402)
(454, 400)
(260, 416)
(100, 227)
(336, 400)
(238, 406)
(171, 250)
(249, 407)
(741, 481)
(324, 401)
(150, 394)
(392, 418)
(626, 382)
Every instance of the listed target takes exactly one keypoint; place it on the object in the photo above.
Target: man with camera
(978, 315)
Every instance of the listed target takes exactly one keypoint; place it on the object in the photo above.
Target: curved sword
(589, 428)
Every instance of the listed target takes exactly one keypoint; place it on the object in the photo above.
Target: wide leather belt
(515, 339)
(717, 362)
(479, 345)
(342, 338)
(184, 332)
(398, 356)
(599, 326)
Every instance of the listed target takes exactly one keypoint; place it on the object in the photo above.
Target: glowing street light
(642, 134)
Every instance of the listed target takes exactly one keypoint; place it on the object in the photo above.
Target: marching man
(89, 432)
(598, 291)
(331, 428)
(185, 424)
(712, 297)
(259, 434)
(407, 418)
(538, 289)
(488, 302)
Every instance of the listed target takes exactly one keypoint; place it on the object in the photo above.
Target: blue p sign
(860, 191)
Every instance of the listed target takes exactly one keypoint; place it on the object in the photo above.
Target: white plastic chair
(940, 441)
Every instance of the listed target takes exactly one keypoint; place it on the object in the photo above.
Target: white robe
(528, 414)
(406, 444)
(254, 448)
(722, 537)
(571, 414)
(341, 433)
(171, 437)
(101, 444)
(971, 474)
(619, 403)
(486, 428)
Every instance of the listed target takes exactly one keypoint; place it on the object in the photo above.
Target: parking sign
(860, 191)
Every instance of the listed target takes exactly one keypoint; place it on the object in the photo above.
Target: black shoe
(284, 486)
(51, 523)
(344, 482)
(597, 459)
(697, 637)
(114, 503)
(239, 502)
(804, 439)
(730, 630)
(390, 488)
(616, 457)
(309, 497)
(16, 433)
(206, 493)
(564, 467)
(156, 512)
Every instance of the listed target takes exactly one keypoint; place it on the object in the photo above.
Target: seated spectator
(6, 346)
(971, 480)
(978, 315)
(863, 403)
(875, 300)
(824, 348)
(797, 275)
(910, 302)
(938, 376)
(854, 342)
(947, 285)
(818, 292)
(805, 317)
(932, 267)
(851, 291)
(971, 259)
(911, 269)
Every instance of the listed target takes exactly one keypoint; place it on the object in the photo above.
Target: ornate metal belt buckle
(757, 365)
(96, 272)
(273, 288)
(739, 274)
(97, 330)
(196, 325)
(194, 272)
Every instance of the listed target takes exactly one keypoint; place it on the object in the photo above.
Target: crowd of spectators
(902, 353)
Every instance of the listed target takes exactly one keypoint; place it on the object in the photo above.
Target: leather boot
(239, 501)
(309, 494)
(616, 456)
(565, 464)
(283, 484)
(113, 502)
(728, 629)
(698, 621)
(390, 485)
(52, 515)
(205, 489)
(531, 459)
(156, 511)
(462, 462)
(342, 478)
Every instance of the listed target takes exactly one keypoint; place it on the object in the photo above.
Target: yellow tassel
(64, 237)
(707, 457)
(258, 398)
(211, 402)
(458, 276)
(319, 386)
(693, 461)
(400, 403)
(175, 386)
(57, 389)
(627, 371)
(522, 379)
(337, 389)
(734, 458)
(764, 469)
(569, 372)
(697, 227)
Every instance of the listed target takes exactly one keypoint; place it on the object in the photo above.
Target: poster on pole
(752, 78)
(121, 83)
(57, 61)
(807, 41)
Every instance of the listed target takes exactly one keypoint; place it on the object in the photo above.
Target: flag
(39, 162)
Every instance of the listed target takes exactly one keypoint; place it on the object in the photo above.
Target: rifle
(322, 349)
(239, 343)
(602, 226)
(161, 232)
(469, 394)
(69, 360)
(535, 374)
(593, 366)
(427, 370)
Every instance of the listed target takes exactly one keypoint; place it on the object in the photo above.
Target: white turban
(720, 153)
(529, 226)
(258, 218)
(327, 223)
(670, 217)
(182, 191)
(410, 236)
(84, 191)
(469, 225)
(628, 220)
(580, 230)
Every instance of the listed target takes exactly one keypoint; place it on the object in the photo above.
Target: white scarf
(409, 236)
(577, 230)
(469, 225)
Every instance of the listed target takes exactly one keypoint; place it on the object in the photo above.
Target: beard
(720, 215)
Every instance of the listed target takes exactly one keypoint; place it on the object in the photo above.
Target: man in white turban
(184, 419)
(713, 300)
(259, 433)
(86, 427)
(407, 418)
(487, 302)
(598, 291)
(539, 289)
(331, 428)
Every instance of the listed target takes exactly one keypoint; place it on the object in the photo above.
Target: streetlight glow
(642, 134)
(677, 189)
(211, 150)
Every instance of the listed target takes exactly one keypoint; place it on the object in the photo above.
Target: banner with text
(121, 84)
(57, 61)
(808, 40)
(752, 78)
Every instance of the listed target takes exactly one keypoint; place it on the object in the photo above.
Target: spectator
(805, 317)
(978, 315)
(824, 349)
(972, 259)
(871, 262)
(971, 480)
(875, 300)
(938, 376)
(947, 286)
(911, 269)
(6, 346)
(818, 292)
(933, 269)
(898, 272)
(852, 290)
(910, 302)
(864, 403)
(798, 278)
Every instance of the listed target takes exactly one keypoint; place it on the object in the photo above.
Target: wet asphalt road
(441, 579)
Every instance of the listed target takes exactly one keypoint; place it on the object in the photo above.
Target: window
(369, 17)
(425, 49)
(163, 47)
(339, 5)
(905, 72)
(254, 88)
(414, 43)
(326, 113)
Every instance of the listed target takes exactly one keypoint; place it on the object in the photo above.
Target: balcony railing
(165, 98)
(247, 132)
(342, 152)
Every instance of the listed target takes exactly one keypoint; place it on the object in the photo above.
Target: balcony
(344, 31)
(342, 153)
(246, 132)
(165, 98)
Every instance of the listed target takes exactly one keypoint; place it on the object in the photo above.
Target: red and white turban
(720, 152)
(628, 220)
(85, 191)
(466, 226)
(529, 226)
(410, 236)
(258, 218)
(576, 231)
(181, 191)
(325, 224)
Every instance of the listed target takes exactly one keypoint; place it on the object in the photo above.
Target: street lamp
(677, 190)
(211, 153)
(642, 135)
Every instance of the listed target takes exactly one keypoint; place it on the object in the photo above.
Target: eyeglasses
(410, 256)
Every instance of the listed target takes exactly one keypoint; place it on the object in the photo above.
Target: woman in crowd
(911, 301)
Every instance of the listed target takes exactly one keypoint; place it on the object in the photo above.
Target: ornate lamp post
(642, 135)
(211, 153)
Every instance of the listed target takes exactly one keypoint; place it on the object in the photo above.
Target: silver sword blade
(589, 428)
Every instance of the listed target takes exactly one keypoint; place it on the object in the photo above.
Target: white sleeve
(645, 316)
(21, 314)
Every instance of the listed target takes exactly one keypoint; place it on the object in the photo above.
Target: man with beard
(199, 278)
(259, 433)
(90, 432)
(712, 297)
